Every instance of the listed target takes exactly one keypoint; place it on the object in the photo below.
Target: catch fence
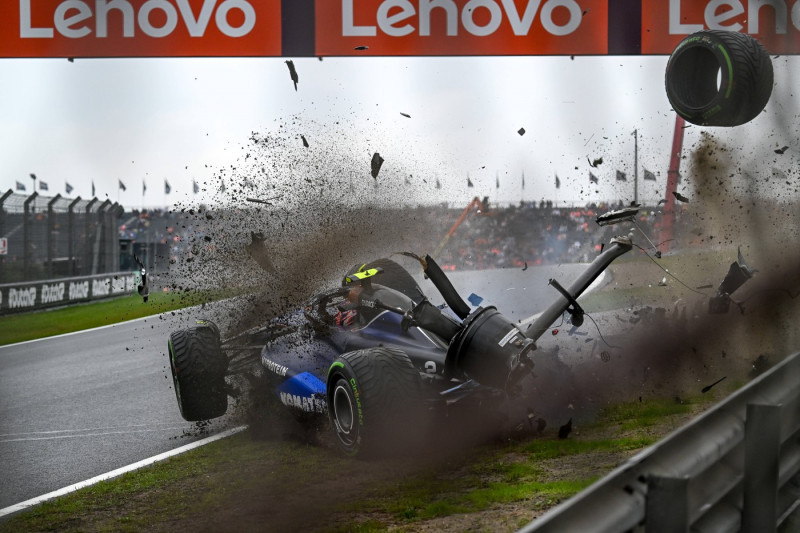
(56, 237)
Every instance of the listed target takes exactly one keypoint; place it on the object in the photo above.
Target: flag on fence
(67, 187)
(558, 182)
(195, 187)
(167, 188)
(33, 176)
(42, 185)
(122, 186)
(649, 176)
(20, 186)
(92, 188)
(621, 176)
(438, 184)
(144, 187)
(469, 182)
(593, 178)
(523, 180)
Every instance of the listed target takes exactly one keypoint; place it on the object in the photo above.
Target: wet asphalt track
(76, 406)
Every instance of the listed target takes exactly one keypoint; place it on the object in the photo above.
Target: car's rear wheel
(198, 371)
(375, 402)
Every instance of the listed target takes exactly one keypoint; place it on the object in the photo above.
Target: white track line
(118, 472)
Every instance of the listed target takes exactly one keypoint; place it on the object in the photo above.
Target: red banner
(461, 27)
(775, 23)
(139, 28)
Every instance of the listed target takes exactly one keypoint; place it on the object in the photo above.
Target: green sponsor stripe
(730, 69)
(336, 364)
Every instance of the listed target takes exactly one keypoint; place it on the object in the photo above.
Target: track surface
(76, 406)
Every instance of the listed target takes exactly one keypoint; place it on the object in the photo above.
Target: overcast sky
(135, 120)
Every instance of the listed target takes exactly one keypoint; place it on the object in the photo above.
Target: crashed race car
(375, 356)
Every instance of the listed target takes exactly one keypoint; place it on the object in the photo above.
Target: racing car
(374, 355)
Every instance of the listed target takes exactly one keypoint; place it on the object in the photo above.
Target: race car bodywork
(374, 354)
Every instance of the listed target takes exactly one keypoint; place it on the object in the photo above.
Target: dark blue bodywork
(298, 362)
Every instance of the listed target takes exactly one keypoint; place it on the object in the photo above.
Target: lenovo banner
(139, 28)
(461, 27)
(775, 23)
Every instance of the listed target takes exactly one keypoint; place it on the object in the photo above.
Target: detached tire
(745, 72)
(198, 372)
(375, 402)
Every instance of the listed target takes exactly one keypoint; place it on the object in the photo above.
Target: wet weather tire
(198, 372)
(745, 78)
(375, 402)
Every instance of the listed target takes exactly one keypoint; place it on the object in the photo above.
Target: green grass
(38, 324)
(241, 473)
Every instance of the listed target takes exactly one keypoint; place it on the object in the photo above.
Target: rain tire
(745, 71)
(198, 372)
(375, 403)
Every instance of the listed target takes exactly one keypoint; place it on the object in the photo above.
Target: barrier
(734, 468)
(34, 295)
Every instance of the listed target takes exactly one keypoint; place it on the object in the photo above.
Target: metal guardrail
(734, 468)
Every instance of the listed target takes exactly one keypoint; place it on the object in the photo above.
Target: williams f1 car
(374, 355)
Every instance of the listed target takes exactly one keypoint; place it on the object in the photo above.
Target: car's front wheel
(198, 371)
(375, 402)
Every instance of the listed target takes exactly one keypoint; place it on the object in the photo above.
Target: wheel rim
(344, 416)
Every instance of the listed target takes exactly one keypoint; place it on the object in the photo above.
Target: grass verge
(242, 484)
(38, 324)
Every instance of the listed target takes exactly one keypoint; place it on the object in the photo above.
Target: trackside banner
(143, 28)
(775, 23)
(307, 28)
(30, 296)
(462, 27)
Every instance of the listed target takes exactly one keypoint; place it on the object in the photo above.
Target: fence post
(667, 505)
(51, 227)
(3, 229)
(86, 268)
(99, 241)
(70, 231)
(26, 236)
(762, 443)
(113, 235)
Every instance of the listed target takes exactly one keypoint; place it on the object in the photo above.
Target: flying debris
(780, 151)
(292, 72)
(305, 142)
(71, 59)
(525, 267)
(565, 430)
(662, 201)
(141, 280)
(594, 164)
(362, 47)
(377, 161)
(680, 197)
(405, 114)
(257, 201)
(708, 387)
(737, 275)
(521, 131)
(258, 251)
